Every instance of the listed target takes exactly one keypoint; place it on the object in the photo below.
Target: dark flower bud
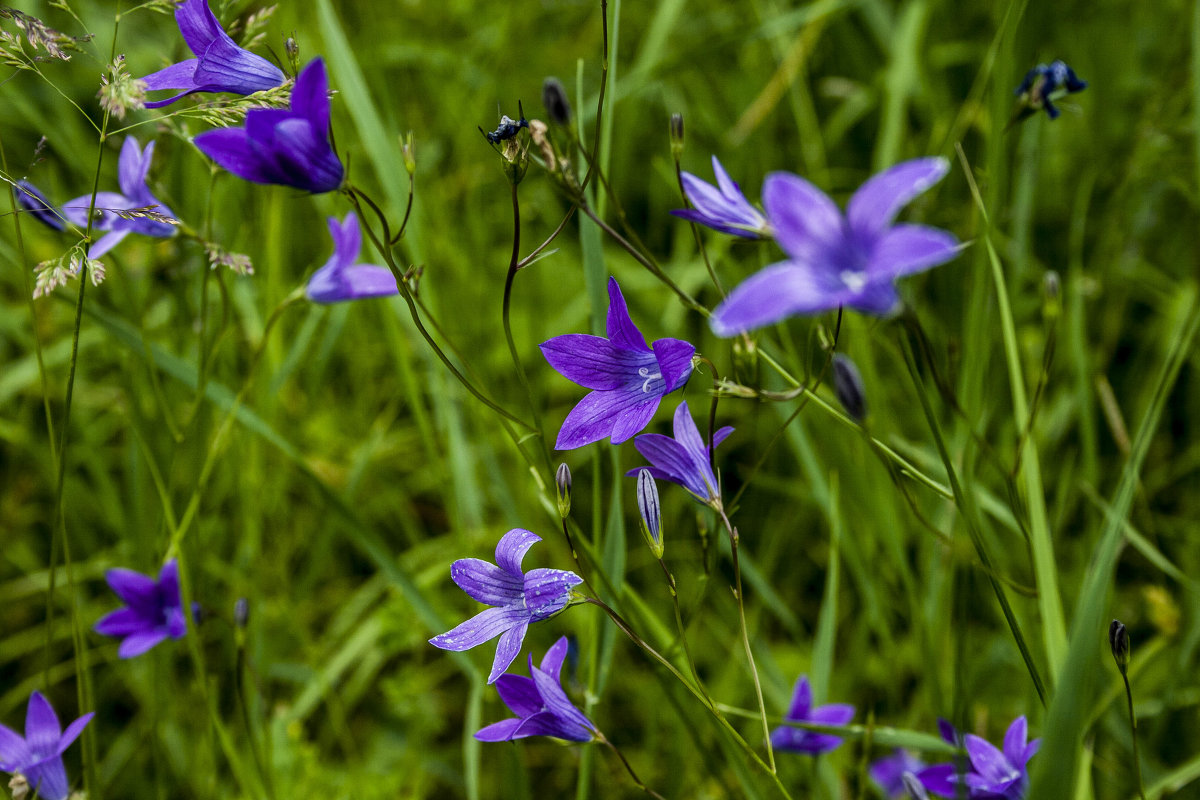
(241, 612)
(676, 127)
(1118, 640)
(554, 98)
(292, 48)
(848, 387)
(562, 479)
(198, 613)
(651, 511)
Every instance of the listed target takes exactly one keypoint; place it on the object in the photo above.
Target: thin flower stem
(604, 741)
(239, 682)
(687, 652)
(600, 97)
(527, 260)
(1137, 760)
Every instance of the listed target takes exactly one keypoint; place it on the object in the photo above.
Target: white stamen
(645, 373)
(854, 280)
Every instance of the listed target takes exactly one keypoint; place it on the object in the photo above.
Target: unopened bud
(1118, 640)
(651, 511)
(292, 48)
(410, 154)
(554, 98)
(562, 479)
(1052, 287)
(848, 387)
(676, 127)
(198, 613)
(241, 612)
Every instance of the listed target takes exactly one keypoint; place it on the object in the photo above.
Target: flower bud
(241, 612)
(292, 48)
(651, 511)
(676, 126)
(1118, 640)
(848, 387)
(1052, 287)
(410, 154)
(562, 480)
(554, 98)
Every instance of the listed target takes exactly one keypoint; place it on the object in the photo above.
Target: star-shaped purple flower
(132, 168)
(153, 609)
(38, 754)
(835, 259)
(628, 379)
(683, 460)
(888, 772)
(289, 147)
(798, 740)
(722, 207)
(220, 66)
(32, 200)
(342, 279)
(541, 705)
(518, 598)
(994, 773)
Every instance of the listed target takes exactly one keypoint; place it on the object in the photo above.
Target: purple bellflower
(628, 379)
(888, 772)
(994, 773)
(220, 65)
(132, 168)
(38, 754)
(1045, 83)
(517, 599)
(799, 740)
(541, 705)
(342, 279)
(835, 259)
(33, 201)
(683, 460)
(153, 609)
(289, 147)
(722, 207)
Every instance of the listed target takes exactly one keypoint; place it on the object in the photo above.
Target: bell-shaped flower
(799, 740)
(38, 754)
(685, 459)
(132, 168)
(541, 705)
(835, 259)
(219, 66)
(722, 207)
(290, 146)
(517, 598)
(628, 379)
(994, 773)
(343, 279)
(153, 609)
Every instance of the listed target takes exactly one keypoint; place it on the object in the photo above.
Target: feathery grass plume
(231, 111)
(218, 256)
(38, 34)
(55, 272)
(120, 92)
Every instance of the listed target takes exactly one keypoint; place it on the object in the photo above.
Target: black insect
(508, 127)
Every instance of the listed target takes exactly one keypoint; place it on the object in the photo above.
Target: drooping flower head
(341, 278)
(888, 772)
(994, 773)
(290, 146)
(153, 609)
(541, 705)
(38, 754)
(722, 207)
(220, 65)
(517, 599)
(684, 459)
(1045, 83)
(628, 379)
(32, 200)
(799, 740)
(835, 259)
(132, 168)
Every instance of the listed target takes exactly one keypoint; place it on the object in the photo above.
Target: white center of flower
(854, 280)
(645, 373)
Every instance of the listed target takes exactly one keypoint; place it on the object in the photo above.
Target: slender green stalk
(1137, 760)
(628, 768)
(687, 652)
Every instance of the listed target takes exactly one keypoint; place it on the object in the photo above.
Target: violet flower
(994, 773)
(342, 279)
(835, 259)
(722, 207)
(888, 772)
(799, 740)
(132, 168)
(221, 66)
(518, 598)
(32, 200)
(153, 609)
(683, 460)
(541, 705)
(628, 379)
(288, 147)
(1045, 83)
(38, 754)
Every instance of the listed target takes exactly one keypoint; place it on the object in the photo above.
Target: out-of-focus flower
(33, 201)
(848, 387)
(341, 278)
(290, 146)
(1042, 85)
(722, 207)
(993, 774)
(835, 259)
(517, 599)
(220, 65)
(628, 379)
(541, 705)
(38, 754)
(798, 740)
(888, 772)
(684, 459)
(132, 210)
(153, 609)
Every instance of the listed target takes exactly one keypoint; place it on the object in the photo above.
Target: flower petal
(133, 166)
(674, 362)
(486, 625)
(121, 622)
(305, 158)
(42, 729)
(573, 725)
(669, 461)
(594, 362)
(987, 761)
(32, 200)
(511, 549)
(233, 150)
(137, 643)
(501, 731)
(620, 328)
(942, 779)
(778, 291)
(807, 224)
(597, 414)
(801, 700)
(832, 714)
(634, 419)
(905, 249)
(552, 661)
(519, 694)
(876, 203)
(310, 96)
(73, 730)
(487, 582)
(507, 649)
(225, 67)
(548, 591)
(138, 591)
(168, 583)
(14, 752)
(359, 282)
(197, 24)
(49, 779)
(176, 76)
(1014, 740)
